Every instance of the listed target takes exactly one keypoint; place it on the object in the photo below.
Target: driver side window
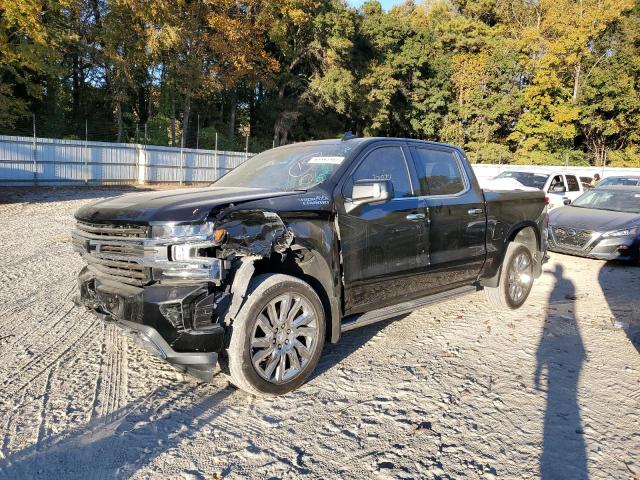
(386, 163)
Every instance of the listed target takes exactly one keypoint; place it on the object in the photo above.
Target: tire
(516, 278)
(255, 337)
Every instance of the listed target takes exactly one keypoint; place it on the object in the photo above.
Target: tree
(29, 41)
(555, 43)
(610, 100)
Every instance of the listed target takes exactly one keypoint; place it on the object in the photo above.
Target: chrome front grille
(571, 238)
(113, 251)
(114, 230)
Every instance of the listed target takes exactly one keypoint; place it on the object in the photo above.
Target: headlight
(200, 231)
(188, 251)
(625, 232)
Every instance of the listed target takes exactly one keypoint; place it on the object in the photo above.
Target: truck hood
(592, 219)
(183, 205)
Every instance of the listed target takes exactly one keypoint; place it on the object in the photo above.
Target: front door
(557, 192)
(384, 245)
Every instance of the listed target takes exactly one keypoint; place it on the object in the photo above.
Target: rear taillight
(546, 200)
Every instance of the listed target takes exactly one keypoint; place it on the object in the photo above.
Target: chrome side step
(361, 319)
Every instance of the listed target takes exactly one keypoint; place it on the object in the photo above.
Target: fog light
(173, 313)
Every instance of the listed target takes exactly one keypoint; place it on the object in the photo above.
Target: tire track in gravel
(111, 387)
(24, 396)
(48, 357)
(42, 426)
(36, 333)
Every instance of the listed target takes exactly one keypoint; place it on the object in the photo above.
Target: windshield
(632, 181)
(534, 180)
(623, 201)
(295, 167)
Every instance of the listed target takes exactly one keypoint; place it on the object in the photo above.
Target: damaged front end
(171, 285)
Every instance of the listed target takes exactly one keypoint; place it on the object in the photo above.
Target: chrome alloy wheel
(520, 277)
(284, 338)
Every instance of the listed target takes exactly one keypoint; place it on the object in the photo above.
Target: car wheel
(277, 337)
(516, 278)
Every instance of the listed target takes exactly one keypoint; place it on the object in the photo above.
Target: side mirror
(567, 201)
(369, 191)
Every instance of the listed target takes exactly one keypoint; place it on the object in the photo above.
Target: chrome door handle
(416, 216)
(475, 211)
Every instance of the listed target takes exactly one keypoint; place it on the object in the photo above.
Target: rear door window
(439, 172)
(572, 183)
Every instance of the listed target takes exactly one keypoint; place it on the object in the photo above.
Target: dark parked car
(302, 243)
(603, 223)
(629, 181)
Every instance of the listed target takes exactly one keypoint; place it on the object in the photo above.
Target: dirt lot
(451, 391)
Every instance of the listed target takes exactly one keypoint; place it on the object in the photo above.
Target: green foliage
(545, 82)
(627, 157)
(159, 130)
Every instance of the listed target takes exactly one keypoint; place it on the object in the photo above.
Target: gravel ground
(456, 390)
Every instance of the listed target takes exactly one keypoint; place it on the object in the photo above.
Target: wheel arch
(527, 233)
(310, 267)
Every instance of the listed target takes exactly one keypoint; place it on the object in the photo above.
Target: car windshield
(619, 201)
(294, 167)
(631, 181)
(534, 180)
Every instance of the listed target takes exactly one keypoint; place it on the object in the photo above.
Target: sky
(386, 4)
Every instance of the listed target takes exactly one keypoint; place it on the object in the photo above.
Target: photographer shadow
(560, 355)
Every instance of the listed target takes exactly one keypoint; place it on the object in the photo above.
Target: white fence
(43, 161)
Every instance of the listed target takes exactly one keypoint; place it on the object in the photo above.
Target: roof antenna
(348, 136)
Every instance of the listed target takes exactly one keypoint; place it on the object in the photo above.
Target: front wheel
(516, 278)
(277, 337)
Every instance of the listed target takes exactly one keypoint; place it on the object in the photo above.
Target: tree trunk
(119, 120)
(252, 108)
(232, 113)
(185, 119)
(173, 117)
(576, 82)
(143, 105)
(75, 94)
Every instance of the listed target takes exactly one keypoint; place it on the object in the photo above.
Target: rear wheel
(516, 278)
(277, 337)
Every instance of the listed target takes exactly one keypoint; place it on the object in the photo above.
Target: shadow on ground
(624, 303)
(560, 356)
(349, 342)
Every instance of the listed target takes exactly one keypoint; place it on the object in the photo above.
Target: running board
(361, 319)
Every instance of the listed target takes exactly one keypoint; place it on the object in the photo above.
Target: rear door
(573, 187)
(456, 216)
(383, 245)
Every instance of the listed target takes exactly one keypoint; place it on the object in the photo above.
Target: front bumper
(599, 247)
(149, 316)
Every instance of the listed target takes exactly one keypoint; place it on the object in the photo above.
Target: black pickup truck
(300, 244)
